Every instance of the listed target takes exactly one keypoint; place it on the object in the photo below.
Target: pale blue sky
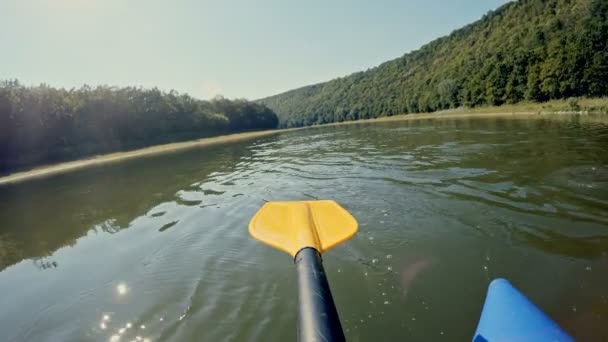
(236, 48)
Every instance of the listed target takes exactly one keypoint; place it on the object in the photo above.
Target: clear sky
(237, 48)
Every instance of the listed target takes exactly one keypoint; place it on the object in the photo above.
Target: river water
(158, 248)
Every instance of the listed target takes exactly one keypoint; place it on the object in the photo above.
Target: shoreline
(469, 115)
(65, 167)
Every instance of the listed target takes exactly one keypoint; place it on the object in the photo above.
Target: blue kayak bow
(508, 315)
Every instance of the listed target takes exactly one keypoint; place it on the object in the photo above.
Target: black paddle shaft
(317, 315)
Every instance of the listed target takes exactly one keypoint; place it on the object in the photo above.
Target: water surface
(158, 247)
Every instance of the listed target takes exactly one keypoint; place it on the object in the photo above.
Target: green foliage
(534, 50)
(44, 125)
(573, 104)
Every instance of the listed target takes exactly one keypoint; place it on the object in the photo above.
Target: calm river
(158, 248)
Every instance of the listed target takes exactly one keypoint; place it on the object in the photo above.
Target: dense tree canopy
(533, 50)
(44, 125)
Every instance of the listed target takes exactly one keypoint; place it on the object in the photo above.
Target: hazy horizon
(232, 48)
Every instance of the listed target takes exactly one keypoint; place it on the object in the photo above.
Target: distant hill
(533, 50)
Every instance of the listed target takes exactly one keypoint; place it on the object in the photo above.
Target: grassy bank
(584, 107)
(588, 108)
(573, 105)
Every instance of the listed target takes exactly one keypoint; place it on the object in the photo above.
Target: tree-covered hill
(533, 50)
(40, 125)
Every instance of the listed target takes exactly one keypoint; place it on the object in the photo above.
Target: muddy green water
(158, 247)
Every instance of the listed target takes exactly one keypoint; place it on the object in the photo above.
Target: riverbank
(49, 170)
(552, 108)
(596, 108)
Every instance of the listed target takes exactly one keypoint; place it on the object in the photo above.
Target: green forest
(41, 124)
(529, 50)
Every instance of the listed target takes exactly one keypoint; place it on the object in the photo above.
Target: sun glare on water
(122, 289)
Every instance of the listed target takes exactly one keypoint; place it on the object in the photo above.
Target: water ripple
(451, 202)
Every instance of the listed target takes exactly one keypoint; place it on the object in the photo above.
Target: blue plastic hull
(508, 316)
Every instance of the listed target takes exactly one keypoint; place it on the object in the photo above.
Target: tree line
(529, 50)
(42, 124)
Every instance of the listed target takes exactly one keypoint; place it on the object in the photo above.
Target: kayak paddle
(305, 230)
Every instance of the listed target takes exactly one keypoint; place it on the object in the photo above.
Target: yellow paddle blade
(291, 226)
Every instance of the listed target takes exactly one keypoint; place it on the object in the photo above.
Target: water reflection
(42, 216)
(159, 246)
(589, 247)
(44, 264)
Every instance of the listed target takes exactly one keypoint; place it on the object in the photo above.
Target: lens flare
(122, 288)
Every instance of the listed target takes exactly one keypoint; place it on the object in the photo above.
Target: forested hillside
(44, 125)
(533, 50)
